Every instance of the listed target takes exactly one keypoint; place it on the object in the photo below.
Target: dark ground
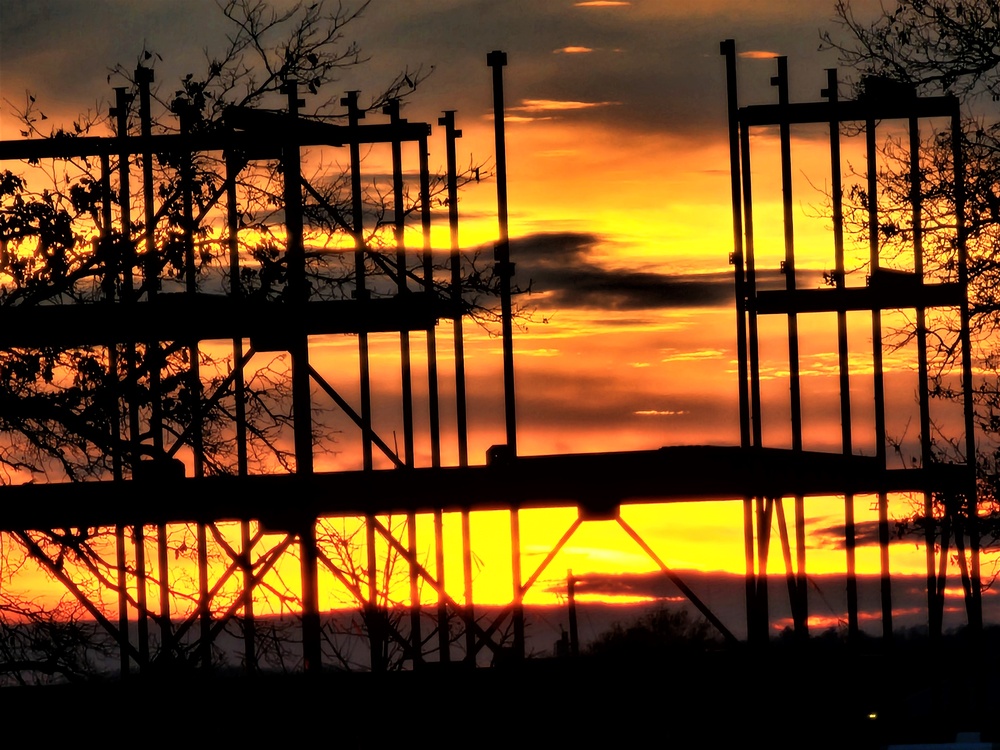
(819, 696)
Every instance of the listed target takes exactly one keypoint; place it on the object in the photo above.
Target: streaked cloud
(555, 105)
(675, 355)
(757, 54)
(659, 413)
(572, 50)
(602, 4)
(865, 533)
(519, 118)
(559, 265)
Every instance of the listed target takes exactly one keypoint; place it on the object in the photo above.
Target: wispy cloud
(556, 105)
(674, 355)
(659, 413)
(602, 4)
(518, 118)
(758, 54)
(572, 50)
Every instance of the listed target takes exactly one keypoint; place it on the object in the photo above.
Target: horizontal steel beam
(595, 483)
(268, 132)
(203, 317)
(875, 108)
(858, 298)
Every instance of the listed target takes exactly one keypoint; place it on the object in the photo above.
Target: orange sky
(633, 179)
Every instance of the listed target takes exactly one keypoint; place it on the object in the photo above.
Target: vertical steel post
(455, 264)
(515, 569)
(764, 511)
(312, 654)
(354, 116)
(112, 262)
(123, 628)
(301, 397)
(110, 283)
(399, 228)
(204, 608)
(236, 293)
(416, 641)
(361, 293)
(879, 380)
(505, 271)
(974, 606)
(444, 631)
(757, 616)
(239, 406)
(469, 613)
(461, 419)
(249, 621)
(433, 403)
(298, 286)
(574, 630)
(934, 604)
(786, 553)
(728, 49)
(376, 632)
(120, 113)
(194, 391)
(832, 94)
(504, 268)
(141, 600)
(151, 278)
(163, 567)
(143, 77)
(800, 613)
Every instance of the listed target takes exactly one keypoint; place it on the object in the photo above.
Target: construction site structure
(159, 475)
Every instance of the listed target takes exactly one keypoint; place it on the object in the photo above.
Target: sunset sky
(620, 216)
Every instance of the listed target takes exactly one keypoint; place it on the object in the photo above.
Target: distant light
(872, 715)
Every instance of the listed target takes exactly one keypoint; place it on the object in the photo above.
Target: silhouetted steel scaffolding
(150, 487)
(885, 290)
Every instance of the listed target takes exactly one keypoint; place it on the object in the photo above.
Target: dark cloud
(724, 594)
(63, 49)
(559, 265)
(865, 533)
(662, 68)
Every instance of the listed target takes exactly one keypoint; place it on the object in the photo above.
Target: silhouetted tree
(64, 412)
(658, 634)
(938, 47)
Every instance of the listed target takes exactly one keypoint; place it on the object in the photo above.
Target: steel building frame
(885, 290)
(151, 488)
